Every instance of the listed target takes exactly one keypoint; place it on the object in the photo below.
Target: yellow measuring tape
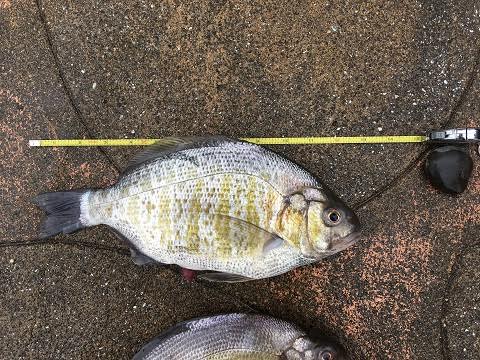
(255, 140)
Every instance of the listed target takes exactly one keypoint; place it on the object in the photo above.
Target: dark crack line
(395, 181)
(446, 300)
(123, 251)
(63, 80)
(464, 94)
(400, 176)
(75, 243)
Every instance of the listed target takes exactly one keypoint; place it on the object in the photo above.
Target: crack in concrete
(452, 276)
(54, 241)
(63, 80)
(123, 251)
(401, 175)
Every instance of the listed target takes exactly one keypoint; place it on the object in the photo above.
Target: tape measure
(260, 141)
(461, 135)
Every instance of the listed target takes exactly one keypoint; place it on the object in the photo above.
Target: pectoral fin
(244, 235)
(273, 243)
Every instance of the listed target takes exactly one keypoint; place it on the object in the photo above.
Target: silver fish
(236, 337)
(213, 204)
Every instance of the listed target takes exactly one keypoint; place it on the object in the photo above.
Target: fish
(231, 210)
(237, 336)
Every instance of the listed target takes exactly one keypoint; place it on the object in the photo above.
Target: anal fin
(137, 257)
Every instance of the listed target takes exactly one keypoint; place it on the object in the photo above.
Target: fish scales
(198, 162)
(235, 337)
(197, 185)
(189, 205)
(213, 338)
(226, 205)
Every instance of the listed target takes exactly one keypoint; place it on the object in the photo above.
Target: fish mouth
(341, 243)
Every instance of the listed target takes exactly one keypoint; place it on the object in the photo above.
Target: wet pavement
(408, 289)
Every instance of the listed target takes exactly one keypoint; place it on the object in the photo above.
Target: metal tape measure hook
(459, 135)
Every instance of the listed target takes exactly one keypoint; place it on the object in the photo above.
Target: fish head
(331, 225)
(306, 349)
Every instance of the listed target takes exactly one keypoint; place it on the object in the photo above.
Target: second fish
(233, 208)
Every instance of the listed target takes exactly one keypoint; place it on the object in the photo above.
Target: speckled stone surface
(408, 289)
(462, 321)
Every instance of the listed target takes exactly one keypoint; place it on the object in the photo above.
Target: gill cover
(316, 229)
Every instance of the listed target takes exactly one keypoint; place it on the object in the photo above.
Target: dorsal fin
(171, 145)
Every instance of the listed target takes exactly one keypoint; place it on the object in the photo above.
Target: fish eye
(333, 217)
(326, 355)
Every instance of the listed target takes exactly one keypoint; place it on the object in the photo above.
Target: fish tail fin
(63, 211)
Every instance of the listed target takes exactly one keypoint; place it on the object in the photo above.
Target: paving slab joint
(65, 86)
